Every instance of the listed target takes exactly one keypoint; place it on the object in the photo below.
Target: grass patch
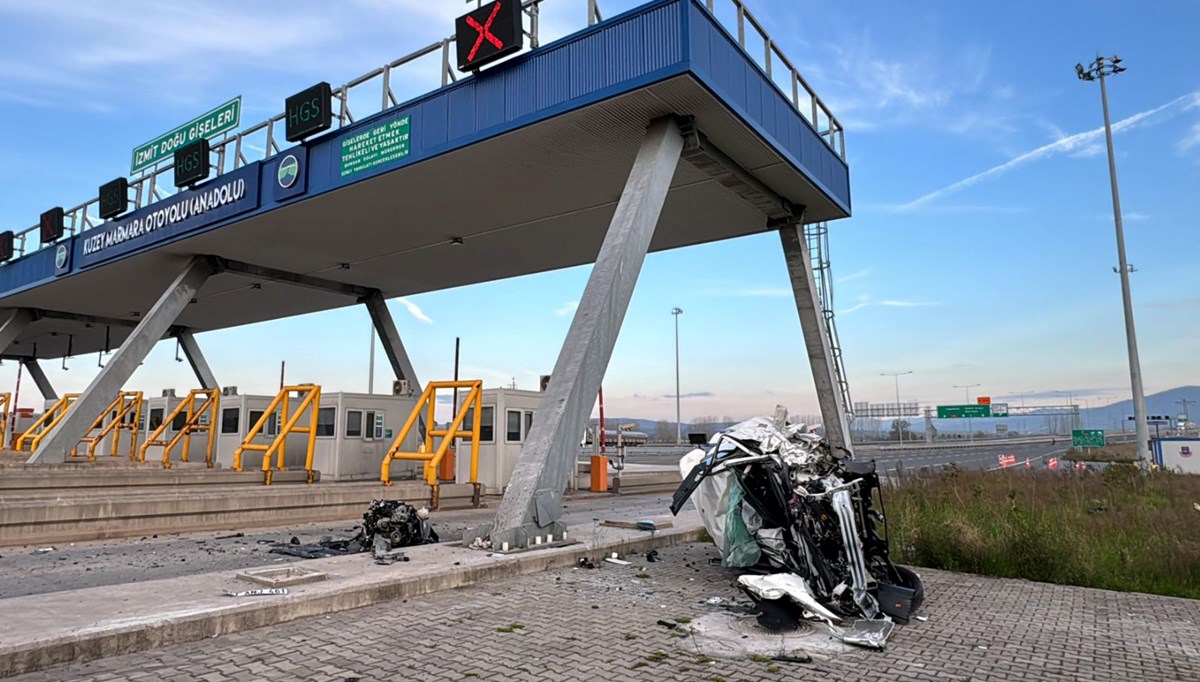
(1122, 452)
(683, 620)
(643, 575)
(629, 636)
(511, 628)
(759, 658)
(639, 664)
(1117, 529)
(772, 668)
(657, 656)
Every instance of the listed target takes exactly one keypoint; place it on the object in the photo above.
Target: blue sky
(980, 251)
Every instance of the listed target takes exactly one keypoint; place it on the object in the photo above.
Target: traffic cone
(1028, 464)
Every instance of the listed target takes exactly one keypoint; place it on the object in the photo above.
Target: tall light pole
(676, 312)
(1099, 70)
(967, 392)
(896, 376)
(371, 364)
(1071, 405)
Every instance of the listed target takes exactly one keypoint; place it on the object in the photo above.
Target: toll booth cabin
(354, 431)
(506, 416)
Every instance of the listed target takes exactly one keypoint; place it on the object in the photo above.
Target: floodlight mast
(1099, 70)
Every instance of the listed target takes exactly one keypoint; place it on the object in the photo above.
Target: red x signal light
(489, 33)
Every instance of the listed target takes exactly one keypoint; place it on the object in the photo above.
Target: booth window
(354, 426)
(513, 434)
(326, 421)
(372, 430)
(229, 420)
(271, 428)
(156, 417)
(528, 423)
(487, 423)
(180, 421)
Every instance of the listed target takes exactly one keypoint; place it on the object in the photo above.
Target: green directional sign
(376, 146)
(1087, 438)
(220, 120)
(964, 411)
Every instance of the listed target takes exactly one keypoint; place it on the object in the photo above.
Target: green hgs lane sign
(221, 120)
(1087, 438)
(964, 411)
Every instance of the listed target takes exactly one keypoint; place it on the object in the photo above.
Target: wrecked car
(801, 520)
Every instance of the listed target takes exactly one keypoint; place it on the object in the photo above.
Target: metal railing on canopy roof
(234, 151)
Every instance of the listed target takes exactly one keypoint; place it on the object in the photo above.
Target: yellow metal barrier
(427, 453)
(195, 418)
(5, 412)
(309, 397)
(122, 415)
(46, 423)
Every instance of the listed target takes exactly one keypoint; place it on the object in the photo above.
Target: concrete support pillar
(39, 377)
(191, 351)
(816, 339)
(532, 503)
(118, 369)
(12, 323)
(393, 346)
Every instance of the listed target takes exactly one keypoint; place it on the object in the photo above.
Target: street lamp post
(1099, 70)
(967, 392)
(896, 376)
(676, 312)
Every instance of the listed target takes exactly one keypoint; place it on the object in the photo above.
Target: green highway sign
(220, 120)
(376, 146)
(964, 411)
(1087, 438)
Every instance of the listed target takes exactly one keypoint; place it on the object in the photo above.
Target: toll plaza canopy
(515, 170)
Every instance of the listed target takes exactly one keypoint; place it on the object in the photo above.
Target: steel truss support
(532, 503)
(393, 346)
(124, 362)
(816, 339)
(40, 379)
(191, 351)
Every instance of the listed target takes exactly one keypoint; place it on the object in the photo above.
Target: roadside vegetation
(1116, 529)
(1124, 452)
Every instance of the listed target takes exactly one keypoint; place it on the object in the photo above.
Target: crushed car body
(802, 522)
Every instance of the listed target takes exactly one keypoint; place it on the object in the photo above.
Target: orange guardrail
(121, 414)
(195, 422)
(46, 423)
(310, 401)
(429, 454)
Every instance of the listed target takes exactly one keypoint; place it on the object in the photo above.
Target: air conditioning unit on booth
(229, 390)
(400, 387)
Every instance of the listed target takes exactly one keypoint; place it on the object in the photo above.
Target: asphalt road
(982, 456)
(26, 571)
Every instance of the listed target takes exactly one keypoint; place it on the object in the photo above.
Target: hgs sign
(309, 112)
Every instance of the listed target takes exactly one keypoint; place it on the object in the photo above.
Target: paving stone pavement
(601, 624)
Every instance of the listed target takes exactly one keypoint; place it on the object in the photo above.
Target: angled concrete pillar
(393, 346)
(123, 363)
(39, 377)
(816, 340)
(191, 351)
(532, 503)
(12, 323)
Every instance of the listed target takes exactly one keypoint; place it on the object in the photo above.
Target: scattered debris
(619, 562)
(713, 601)
(387, 526)
(656, 523)
(45, 550)
(480, 543)
(794, 657)
(268, 592)
(668, 624)
(224, 537)
(585, 562)
(652, 556)
(922, 618)
(780, 503)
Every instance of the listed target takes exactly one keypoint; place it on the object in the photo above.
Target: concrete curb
(134, 635)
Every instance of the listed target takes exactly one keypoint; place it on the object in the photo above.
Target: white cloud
(1192, 139)
(567, 308)
(1069, 144)
(908, 304)
(861, 274)
(414, 310)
